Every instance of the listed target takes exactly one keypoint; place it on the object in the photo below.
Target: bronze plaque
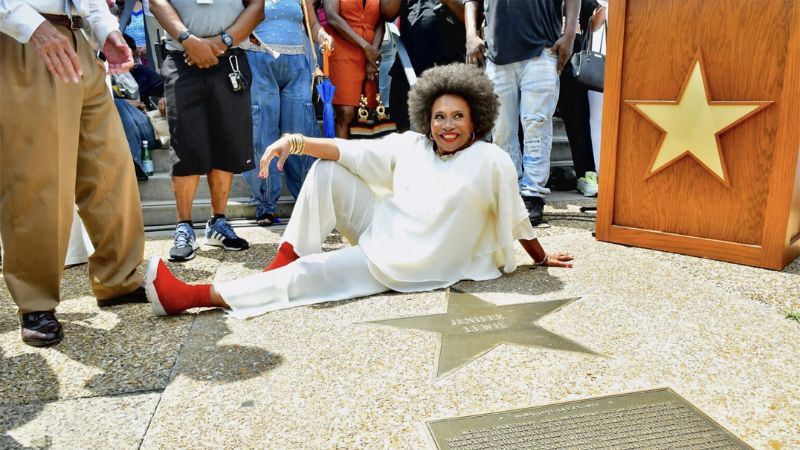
(655, 419)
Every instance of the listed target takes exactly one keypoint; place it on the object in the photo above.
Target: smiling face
(451, 123)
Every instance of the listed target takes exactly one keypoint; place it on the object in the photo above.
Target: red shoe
(285, 256)
(168, 295)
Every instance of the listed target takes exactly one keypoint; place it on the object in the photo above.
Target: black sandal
(266, 220)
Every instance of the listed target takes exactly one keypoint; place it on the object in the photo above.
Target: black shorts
(210, 125)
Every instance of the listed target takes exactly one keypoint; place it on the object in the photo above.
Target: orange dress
(348, 62)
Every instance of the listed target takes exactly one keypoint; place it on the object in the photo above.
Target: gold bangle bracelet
(298, 144)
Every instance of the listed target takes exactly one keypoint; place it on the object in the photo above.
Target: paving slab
(89, 423)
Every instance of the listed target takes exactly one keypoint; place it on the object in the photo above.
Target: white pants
(80, 246)
(331, 197)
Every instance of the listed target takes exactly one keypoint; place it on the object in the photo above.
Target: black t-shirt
(517, 30)
(587, 9)
(431, 33)
(432, 36)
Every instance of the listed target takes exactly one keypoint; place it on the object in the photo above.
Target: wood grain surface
(751, 53)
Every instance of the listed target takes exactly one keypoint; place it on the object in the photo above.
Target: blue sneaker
(185, 243)
(220, 234)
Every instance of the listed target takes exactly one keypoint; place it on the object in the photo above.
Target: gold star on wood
(693, 123)
(472, 327)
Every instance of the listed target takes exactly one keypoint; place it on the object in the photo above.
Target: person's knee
(320, 172)
(536, 121)
(345, 114)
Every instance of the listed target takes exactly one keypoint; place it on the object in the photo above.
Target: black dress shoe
(40, 329)
(136, 296)
(535, 207)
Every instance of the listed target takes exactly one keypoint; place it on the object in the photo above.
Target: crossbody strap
(394, 33)
(310, 41)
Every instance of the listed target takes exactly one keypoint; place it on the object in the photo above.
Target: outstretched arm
(322, 148)
(541, 258)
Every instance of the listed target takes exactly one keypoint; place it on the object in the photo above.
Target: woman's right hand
(278, 149)
(373, 55)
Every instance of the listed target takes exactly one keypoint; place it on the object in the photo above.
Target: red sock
(285, 255)
(176, 296)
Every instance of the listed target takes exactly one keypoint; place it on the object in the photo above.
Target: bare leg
(344, 115)
(219, 183)
(184, 189)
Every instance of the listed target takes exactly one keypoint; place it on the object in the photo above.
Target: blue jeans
(384, 78)
(528, 93)
(281, 96)
(137, 129)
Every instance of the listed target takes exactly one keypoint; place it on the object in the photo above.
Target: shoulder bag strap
(316, 71)
(394, 33)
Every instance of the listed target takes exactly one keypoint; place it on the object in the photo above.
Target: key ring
(234, 62)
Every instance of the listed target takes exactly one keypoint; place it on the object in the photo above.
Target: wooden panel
(783, 204)
(610, 131)
(706, 248)
(685, 199)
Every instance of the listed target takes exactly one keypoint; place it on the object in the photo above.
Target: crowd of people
(235, 84)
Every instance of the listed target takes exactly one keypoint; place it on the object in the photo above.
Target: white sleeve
(100, 20)
(511, 216)
(19, 20)
(373, 160)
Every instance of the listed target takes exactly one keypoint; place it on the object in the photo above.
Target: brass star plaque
(693, 123)
(472, 327)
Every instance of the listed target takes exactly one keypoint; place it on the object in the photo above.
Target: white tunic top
(442, 221)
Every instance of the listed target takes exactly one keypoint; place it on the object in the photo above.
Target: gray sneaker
(185, 243)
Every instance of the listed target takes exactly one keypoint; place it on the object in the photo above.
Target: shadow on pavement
(13, 415)
(203, 358)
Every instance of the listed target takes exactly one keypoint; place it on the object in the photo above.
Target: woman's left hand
(559, 259)
(371, 71)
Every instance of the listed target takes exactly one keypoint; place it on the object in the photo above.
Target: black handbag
(589, 66)
(371, 123)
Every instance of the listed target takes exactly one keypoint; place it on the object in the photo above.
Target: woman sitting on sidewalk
(453, 211)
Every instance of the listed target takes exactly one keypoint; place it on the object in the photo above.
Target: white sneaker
(587, 185)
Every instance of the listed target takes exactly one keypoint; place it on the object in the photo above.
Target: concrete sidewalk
(316, 378)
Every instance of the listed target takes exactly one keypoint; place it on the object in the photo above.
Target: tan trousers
(63, 144)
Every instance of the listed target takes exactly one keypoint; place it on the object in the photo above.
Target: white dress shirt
(20, 18)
